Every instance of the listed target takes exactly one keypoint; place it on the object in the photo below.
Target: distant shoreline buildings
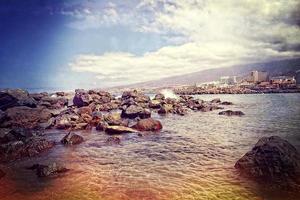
(255, 79)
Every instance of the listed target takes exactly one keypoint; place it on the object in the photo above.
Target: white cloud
(205, 35)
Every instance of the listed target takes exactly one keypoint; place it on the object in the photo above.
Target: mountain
(274, 68)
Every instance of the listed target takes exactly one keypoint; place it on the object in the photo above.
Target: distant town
(254, 82)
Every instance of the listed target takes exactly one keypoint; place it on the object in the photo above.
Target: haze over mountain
(274, 68)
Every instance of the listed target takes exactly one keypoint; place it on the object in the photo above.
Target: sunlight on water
(192, 158)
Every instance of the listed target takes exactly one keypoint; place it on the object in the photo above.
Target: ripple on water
(192, 158)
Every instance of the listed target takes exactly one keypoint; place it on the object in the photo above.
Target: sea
(192, 157)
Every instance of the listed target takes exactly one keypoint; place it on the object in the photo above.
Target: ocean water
(193, 157)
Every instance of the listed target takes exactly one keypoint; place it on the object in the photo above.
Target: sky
(71, 44)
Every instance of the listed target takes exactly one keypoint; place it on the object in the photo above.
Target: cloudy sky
(98, 43)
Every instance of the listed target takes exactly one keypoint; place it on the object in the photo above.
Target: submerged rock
(27, 148)
(72, 139)
(48, 170)
(149, 124)
(231, 113)
(227, 103)
(272, 159)
(101, 126)
(118, 130)
(113, 140)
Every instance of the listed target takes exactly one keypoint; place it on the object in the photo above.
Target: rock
(226, 103)
(48, 170)
(72, 139)
(114, 119)
(81, 98)
(53, 102)
(135, 111)
(101, 126)
(38, 96)
(149, 124)
(96, 118)
(23, 116)
(156, 104)
(113, 140)
(216, 100)
(2, 174)
(48, 124)
(231, 113)
(15, 97)
(2, 116)
(20, 149)
(85, 110)
(118, 130)
(60, 94)
(6, 135)
(166, 108)
(82, 126)
(63, 122)
(159, 97)
(271, 158)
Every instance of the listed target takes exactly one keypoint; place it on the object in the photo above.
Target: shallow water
(192, 158)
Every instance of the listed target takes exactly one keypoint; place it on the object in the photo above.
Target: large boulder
(149, 124)
(48, 170)
(53, 102)
(134, 111)
(28, 147)
(23, 116)
(272, 158)
(72, 139)
(15, 97)
(231, 113)
(118, 130)
(81, 98)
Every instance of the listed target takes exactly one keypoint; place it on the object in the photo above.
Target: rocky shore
(24, 118)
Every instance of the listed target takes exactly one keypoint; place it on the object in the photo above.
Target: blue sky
(84, 44)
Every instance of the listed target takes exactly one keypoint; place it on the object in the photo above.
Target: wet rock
(85, 110)
(2, 174)
(101, 126)
(271, 159)
(216, 100)
(118, 130)
(6, 135)
(231, 113)
(2, 116)
(15, 97)
(27, 117)
(20, 149)
(60, 94)
(81, 98)
(47, 125)
(48, 170)
(159, 97)
(113, 140)
(72, 139)
(149, 124)
(82, 126)
(155, 104)
(166, 108)
(96, 118)
(114, 119)
(135, 111)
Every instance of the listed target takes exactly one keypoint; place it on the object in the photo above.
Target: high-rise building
(298, 78)
(257, 76)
